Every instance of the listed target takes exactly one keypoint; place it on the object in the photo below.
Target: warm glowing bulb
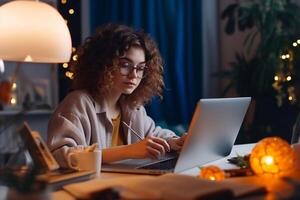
(272, 157)
(14, 86)
(63, 1)
(75, 57)
(276, 78)
(71, 11)
(298, 41)
(290, 98)
(73, 49)
(69, 75)
(294, 44)
(65, 65)
(283, 57)
(267, 160)
(212, 173)
(13, 100)
(28, 58)
(287, 55)
(288, 78)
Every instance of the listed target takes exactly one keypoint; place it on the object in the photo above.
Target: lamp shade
(33, 31)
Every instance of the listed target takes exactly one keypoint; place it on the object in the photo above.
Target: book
(169, 186)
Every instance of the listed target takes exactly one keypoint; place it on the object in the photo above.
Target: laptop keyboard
(164, 165)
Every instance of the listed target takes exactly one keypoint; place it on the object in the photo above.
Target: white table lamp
(33, 31)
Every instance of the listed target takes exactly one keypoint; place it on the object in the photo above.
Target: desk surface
(278, 189)
(237, 150)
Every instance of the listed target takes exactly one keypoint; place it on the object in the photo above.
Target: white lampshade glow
(33, 31)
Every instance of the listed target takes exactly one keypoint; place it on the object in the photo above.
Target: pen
(135, 133)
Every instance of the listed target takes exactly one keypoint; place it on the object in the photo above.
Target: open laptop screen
(212, 131)
(211, 135)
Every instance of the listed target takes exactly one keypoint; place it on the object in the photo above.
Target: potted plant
(270, 75)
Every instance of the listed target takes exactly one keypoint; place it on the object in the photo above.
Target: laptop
(50, 172)
(211, 135)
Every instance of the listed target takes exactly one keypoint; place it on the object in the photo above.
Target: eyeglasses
(127, 67)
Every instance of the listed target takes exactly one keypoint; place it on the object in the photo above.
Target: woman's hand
(151, 147)
(177, 143)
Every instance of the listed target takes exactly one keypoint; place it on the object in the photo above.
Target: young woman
(118, 70)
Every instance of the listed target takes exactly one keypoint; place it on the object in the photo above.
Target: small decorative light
(288, 78)
(13, 100)
(290, 98)
(63, 1)
(69, 74)
(276, 78)
(272, 157)
(75, 57)
(71, 11)
(65, 65)
(287, 55)
(283, 57)
(73, 49)
(212, 173)
(298, 41)
(294, 44)
(14, 86)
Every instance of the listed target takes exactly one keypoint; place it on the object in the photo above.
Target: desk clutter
(169, 186)
(274, 164)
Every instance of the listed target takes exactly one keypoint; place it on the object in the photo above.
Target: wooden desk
(277, 188)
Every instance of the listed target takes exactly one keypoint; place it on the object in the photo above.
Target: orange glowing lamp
(272, 157)
(212, 173)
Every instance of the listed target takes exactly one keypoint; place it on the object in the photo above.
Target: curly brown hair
(95, 64)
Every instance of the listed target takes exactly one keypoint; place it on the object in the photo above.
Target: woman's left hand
(177, 143)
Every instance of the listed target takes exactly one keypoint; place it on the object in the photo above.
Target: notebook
(211, 135)
(46, 163)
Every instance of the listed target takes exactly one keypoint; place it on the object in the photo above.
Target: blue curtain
(176, 27)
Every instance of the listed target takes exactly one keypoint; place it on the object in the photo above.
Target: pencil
(135, 133)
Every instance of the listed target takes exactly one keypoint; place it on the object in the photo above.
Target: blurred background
(216, 48)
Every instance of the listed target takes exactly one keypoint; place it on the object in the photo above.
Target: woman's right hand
(150, 147)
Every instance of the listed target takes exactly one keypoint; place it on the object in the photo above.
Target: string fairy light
(283, 77)
(65, 65)
(69, 74)
(14, 86)
(70, 11)
(75, 57)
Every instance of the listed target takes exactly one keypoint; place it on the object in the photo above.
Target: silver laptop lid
(212, 131)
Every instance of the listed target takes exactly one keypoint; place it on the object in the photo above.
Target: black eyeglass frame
(129, 69)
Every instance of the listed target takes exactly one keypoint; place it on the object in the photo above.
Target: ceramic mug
(85, 160)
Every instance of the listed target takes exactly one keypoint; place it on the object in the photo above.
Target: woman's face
(131, 71)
